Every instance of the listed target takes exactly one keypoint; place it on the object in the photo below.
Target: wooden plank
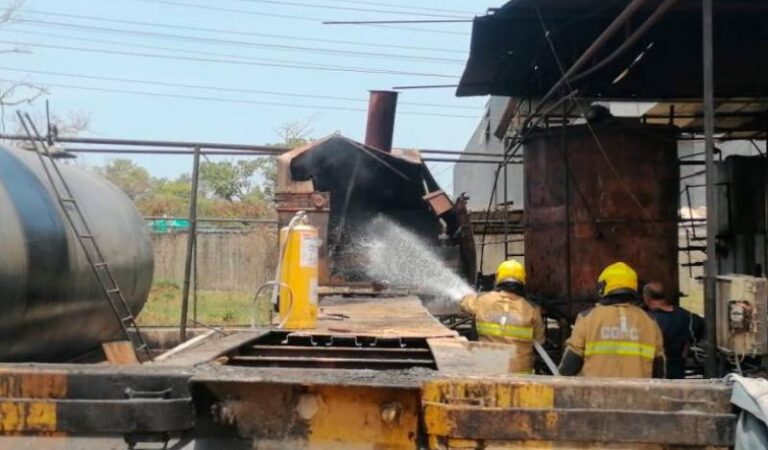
(212, 348)
(461, 357)
(404, 317)
(195, 341)
(120, 353)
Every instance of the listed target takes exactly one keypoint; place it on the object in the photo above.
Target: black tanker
(52, 307)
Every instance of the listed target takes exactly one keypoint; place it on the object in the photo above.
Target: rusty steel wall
(585, 210)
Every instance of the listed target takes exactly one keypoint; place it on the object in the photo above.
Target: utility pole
(191, 241)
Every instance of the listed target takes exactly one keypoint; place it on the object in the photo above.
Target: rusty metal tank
(585, 209)
(52, 306)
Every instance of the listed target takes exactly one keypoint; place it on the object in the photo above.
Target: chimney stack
(380, 128)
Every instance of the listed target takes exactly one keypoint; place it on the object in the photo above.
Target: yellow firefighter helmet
(510, 271)
(618, 277)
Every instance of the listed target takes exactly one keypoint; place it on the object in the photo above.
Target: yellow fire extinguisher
(298, 274)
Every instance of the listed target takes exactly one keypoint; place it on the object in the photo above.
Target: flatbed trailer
(377, 373)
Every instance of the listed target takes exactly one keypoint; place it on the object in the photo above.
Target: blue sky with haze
(233, 46)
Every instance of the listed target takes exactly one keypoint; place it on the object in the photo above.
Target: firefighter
(505, 316)
(615, 338)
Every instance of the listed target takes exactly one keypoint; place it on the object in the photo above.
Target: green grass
(213, 308)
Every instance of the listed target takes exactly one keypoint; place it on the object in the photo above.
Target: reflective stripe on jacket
(503, 317)
(619, 340)
(620, 348)
(496, 329)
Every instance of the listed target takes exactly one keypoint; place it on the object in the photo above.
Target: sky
(247, 66)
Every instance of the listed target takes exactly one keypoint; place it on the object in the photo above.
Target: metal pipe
(203, 145)
(471, 161)
(710, 307)
(506, 208)
(191, 239)
(380, 127)
(651, 21)
(148, 143)
(459, 152)
(215, 220)
(588, 54)
(153, 151)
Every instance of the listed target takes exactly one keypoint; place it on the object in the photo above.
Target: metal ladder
(86, 239)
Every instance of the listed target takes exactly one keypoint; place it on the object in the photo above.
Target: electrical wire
(241, 61)
(242, 33)
(281, 16)
(224, 100)
(344, 8)
(271, 61)
(392, 5)
(228, 42)
(392, 22)
(227, 10)
(219, 88)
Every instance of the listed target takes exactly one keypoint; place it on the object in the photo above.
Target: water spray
(400, 258)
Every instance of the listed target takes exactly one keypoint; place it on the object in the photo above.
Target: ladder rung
(128, 318)
(101, 264)
(86, 236)
(68, 200)
(113, 291)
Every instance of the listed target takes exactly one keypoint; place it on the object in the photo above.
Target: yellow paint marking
(532, 396)
(364, 418)
(27, 417)
(437, 420)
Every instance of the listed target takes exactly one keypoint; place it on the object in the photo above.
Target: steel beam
(710, 306)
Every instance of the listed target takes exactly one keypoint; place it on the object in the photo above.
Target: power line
(224, 100)
(219, 88)
(344, 8)
(228, 42)
(391, 22)
(242, 33)
(281, 16)
(247, 62)
(392, 5)
(228, 10)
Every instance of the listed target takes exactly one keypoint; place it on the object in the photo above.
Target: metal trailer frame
(235, 391)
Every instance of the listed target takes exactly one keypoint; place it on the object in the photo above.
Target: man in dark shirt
(680, 327)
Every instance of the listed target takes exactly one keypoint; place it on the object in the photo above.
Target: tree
(167, 197)
(131, 178)
(293, 135)
(228, 189)
(15, 93)
(228, 180)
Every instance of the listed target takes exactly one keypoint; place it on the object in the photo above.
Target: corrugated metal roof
(510, 55)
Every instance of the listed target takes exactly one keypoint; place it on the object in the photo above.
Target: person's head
(653, 293)
(617, 280)
(510, 276)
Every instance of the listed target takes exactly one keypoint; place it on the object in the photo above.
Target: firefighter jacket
(506, 318)
(616, 340)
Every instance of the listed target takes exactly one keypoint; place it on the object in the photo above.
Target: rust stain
(33, 385)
